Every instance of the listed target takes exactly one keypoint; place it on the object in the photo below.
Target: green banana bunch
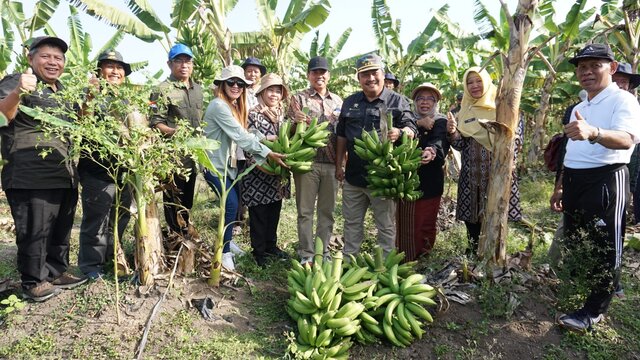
(396, 309)
(300, 147)
(391, 172)
(324, 322)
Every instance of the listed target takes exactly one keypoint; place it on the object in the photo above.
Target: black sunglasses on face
(241, 84)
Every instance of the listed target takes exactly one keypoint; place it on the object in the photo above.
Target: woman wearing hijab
(263, 192)
(417, 220)
(226, 121)
(470, 135)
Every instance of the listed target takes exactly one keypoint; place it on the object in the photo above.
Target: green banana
(391, 307)
(419, 299)
(423, 289)
(366, 318)
(390, 335)
(419, 311)
(409, 282)
(375, 329)
(303, 330)
(416, 327)
(402, 318)
(336, 323)
(359, 287)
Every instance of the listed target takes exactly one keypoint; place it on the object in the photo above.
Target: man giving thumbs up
(593, 188)
(42, 192)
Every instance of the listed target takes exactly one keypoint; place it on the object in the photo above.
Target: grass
(180, 333)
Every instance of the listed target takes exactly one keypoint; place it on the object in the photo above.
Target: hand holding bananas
(299, 149)
(392, 172)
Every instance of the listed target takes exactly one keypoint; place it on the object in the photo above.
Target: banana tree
(554, 44)
(282, 37)
(13, 21)
(113, 124)
(492, 242)
(620, 27)
(341, 71)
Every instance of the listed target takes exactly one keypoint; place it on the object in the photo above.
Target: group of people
(250, 105)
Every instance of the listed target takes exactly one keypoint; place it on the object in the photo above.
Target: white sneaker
(235, 249)
(306, 259)
(227, 261)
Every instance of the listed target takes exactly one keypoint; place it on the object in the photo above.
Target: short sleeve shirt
(358, 113)
(183, 102)
(23, 142)
(611, 109)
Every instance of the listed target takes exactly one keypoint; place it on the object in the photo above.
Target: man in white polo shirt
(594, 186)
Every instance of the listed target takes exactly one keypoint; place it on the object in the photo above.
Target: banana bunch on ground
(395, 308)
(325, 321)
(300, 147)
(392, 172)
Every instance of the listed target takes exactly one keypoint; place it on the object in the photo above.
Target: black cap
(112, 55)
(255, 62)
(318, 63)
(51, 40)
(634, 79)
(390, 76)
(597, 51)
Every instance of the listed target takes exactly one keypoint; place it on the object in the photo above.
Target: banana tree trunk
(540, 120)
(148, 253)
(492, 243)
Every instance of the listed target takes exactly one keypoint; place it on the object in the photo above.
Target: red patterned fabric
(416, 226)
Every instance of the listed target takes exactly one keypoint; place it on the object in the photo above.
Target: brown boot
(68, 281)
(41, 292)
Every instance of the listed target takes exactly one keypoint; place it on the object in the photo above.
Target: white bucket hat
(232, 71)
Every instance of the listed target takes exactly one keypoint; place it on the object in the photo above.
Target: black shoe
(41, 292)
(277, 253)
(579, 321)
(262, 261)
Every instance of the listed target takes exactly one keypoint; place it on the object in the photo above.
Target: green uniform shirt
(23, 141)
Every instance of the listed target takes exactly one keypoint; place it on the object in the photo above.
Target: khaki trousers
(355, 202)
(321, 184)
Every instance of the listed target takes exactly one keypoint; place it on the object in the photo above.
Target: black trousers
(594, 202)
(43, 220)
(178, 201)
(263, 227)
(473, 235)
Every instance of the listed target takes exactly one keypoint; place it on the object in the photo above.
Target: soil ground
(249, 320)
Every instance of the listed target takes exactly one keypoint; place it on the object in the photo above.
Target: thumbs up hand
(27, 82)
(580, 129)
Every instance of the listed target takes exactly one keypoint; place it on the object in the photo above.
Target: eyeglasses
(182, 61)
(425, 98)
(241, 84)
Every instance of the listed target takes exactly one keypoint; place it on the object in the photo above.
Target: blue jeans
(231, 207)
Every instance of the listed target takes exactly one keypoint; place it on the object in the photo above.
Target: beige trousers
(355, 202)
(319, 184)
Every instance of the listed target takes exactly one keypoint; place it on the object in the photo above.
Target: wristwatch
(597, 138)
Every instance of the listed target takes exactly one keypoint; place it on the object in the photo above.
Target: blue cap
(179, 49)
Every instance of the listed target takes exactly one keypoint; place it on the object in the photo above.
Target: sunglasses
(230, 83)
